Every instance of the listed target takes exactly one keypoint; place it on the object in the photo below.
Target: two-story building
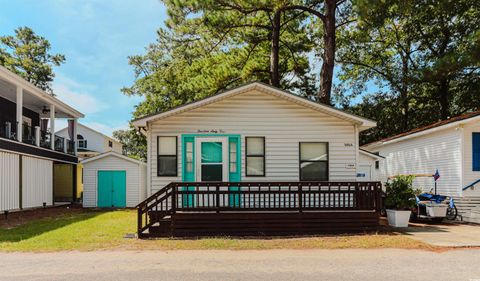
(29, 149)
(91, 142)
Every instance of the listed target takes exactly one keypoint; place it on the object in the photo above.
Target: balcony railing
(59, 144)
(71, 147)
(45, 139)
(8, 130)
(28, 134)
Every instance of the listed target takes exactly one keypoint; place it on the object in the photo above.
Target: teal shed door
(112, 189)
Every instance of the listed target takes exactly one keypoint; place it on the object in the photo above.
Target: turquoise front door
(112, 189)
(211, 158)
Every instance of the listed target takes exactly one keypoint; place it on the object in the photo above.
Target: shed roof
(112, 153)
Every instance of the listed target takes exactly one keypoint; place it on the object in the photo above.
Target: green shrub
(400, 193)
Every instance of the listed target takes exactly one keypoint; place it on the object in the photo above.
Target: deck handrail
(470, 185)
(257, 196)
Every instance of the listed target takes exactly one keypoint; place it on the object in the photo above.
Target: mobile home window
(314, 161)
(166, 156)
(255, 156)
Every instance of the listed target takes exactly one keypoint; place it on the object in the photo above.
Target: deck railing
(257, 197)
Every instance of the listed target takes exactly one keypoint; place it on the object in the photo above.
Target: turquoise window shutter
(476, 151)
(234, 167)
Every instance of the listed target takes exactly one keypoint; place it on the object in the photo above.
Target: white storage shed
(112, 180)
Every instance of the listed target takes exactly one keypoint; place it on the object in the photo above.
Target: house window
(110, 144)
(167, 156)
(255, 156)
(233, 157)
(314, 161)
(189, 156)
(476, 151)
(82, 143)
(377, 165)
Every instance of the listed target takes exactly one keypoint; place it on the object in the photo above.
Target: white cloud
(75, 95)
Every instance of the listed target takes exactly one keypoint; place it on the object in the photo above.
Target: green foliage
(134, 143)
(28, 55)
(400, 193)
(422, 56)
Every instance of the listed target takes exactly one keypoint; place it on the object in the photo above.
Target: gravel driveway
(350, 264)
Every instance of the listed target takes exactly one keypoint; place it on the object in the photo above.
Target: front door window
(212, 163)
(212, 159)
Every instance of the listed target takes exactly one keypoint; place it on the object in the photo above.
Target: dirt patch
(14, 219)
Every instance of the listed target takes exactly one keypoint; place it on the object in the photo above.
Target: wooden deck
(259, 208)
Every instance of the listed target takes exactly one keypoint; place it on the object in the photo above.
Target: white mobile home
(252, 133)
(254, 158)
(452, 146)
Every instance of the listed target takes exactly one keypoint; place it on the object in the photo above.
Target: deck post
(139, 222)
(300, 199)
(217, 199)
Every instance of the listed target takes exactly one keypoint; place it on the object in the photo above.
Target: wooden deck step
(271, 224)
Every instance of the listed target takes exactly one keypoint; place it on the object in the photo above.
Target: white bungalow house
(91, 142)
(29, 148)
(255, 132)
(452, 146)
(254, 158)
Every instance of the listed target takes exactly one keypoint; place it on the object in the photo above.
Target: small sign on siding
(350, 166)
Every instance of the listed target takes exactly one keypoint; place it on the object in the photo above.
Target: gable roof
(370, 154)
(268, 89)
(95, 131)
(443, 124)
(114, 154)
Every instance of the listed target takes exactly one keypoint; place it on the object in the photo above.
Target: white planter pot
(397, 218)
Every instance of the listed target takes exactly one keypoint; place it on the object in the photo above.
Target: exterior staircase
(468, 208)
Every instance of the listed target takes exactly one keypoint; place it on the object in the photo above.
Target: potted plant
(399, 201)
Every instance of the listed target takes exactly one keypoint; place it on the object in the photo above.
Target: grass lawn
(101, 230)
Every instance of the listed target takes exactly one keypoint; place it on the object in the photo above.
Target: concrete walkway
(450, 235)
(278, 265)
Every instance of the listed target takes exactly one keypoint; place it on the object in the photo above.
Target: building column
(37, 135)
(52, 126)
(75, 123)
(19, 113)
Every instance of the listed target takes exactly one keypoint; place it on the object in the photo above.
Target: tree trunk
(326, 73)
(443, 98)
(404, 94)
(274, 52)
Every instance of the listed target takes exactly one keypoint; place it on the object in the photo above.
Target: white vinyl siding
(424, 155)
(37, 182)
(366, 160)
(136, 189)
(9, 181)
(283, 124)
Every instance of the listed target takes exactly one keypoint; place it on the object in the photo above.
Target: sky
(96, 37)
